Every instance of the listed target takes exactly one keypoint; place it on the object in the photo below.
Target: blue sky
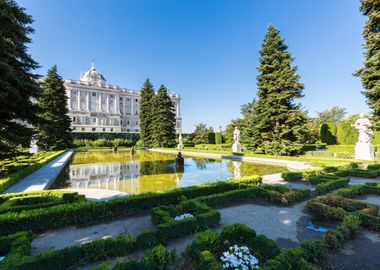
(207, 51)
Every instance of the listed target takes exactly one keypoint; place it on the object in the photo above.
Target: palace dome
(93, 76)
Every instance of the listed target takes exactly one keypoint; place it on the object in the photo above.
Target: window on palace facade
(137, 123)
(111, 129)
(94, 94)
(127, 99)
(120, 98)
(94, 120)
(74, 119)
(128, 123)
(93, 129)
(82, 129)
(111, 96)
(104, 129)
(137, 100)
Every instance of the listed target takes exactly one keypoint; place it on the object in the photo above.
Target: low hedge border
(14, 178)
(169, 228)
(16, 247)
(17, 202)
(91, 212)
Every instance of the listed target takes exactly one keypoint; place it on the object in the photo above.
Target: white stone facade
(95, 106)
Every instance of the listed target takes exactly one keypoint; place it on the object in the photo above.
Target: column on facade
(132, 109)
(88, 100)
(69, 99)
(108, 103)
(78, 98)
(124, 111)
(100, 102)
(117, 104)
(178, 114)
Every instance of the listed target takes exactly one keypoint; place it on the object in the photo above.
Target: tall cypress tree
(18, 85)
(370, 73)
(146, 113)
(53, 125)
(278, 123)
(164, 134)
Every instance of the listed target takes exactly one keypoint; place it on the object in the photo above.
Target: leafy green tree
(370, 73)
(53, 126)
(164, 133)
(146, 113)
(18, 85)
(278, 123)
(240, 123)
(201, 134)
(333, 115)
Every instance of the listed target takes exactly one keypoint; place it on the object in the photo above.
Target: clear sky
(205, 50)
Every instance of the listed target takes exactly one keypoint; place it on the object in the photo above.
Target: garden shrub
(331, 185)
(158, 258)
(312, 250)
(202, 218)
(328, 133)
(291, 259)
(333, 239)
(14, 247)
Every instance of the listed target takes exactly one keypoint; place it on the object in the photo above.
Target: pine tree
(164, 133)
(278, 123)
(146, 114)
(53, 125)
(370, 73)
(18, 85)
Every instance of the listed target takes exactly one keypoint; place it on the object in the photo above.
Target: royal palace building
(95, 106)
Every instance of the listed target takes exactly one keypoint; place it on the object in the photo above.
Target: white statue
(236, 147)
(237, 173)
(363, 148)
(180, 144)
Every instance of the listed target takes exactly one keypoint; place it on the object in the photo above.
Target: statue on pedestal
(236, 147)
(364, 149)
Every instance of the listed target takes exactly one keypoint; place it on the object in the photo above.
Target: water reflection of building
(112, 176)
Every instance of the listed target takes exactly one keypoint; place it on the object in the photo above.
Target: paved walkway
(43, 177)
(290, 164)
(99, 195)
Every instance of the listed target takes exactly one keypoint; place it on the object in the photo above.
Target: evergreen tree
(370, 73)
(278, 123)
(164, 133)
(146, 114)
(53, 125)
(18, 85)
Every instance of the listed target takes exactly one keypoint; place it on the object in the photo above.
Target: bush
(328, 133)
(158, 258)
(351, 223)
(312, 250)
(331, 185)
(346, 134)
(333, 239)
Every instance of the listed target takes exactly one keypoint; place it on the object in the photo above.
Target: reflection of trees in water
(201, 163)
(250, 168)
(157, 167)
(120, 156)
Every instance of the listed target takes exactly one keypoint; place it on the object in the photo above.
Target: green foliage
(218, 138)
(346, 134)
(278, 123)
(53, 126)
(158, 258)
(328, 133)
(18, 84)
(329, 185)
(91, 136)
(15, 247)
(164, 123)
(312, 249)
(201, 134)
(291, 259)
(146, 114)
(369, 74)
(333, 115)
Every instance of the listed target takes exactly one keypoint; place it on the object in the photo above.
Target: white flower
(183, 216)
(239, 258)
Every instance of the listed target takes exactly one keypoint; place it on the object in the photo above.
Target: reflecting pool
(150, 171)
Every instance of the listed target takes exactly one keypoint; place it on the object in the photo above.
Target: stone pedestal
(364, 151)
(236, 147)
(179, 161)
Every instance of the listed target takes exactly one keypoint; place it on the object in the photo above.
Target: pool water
(150, 171)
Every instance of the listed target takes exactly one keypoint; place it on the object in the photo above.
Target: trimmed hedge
(91, 212)
(169, 228)
(17, 202)
(16, 247)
